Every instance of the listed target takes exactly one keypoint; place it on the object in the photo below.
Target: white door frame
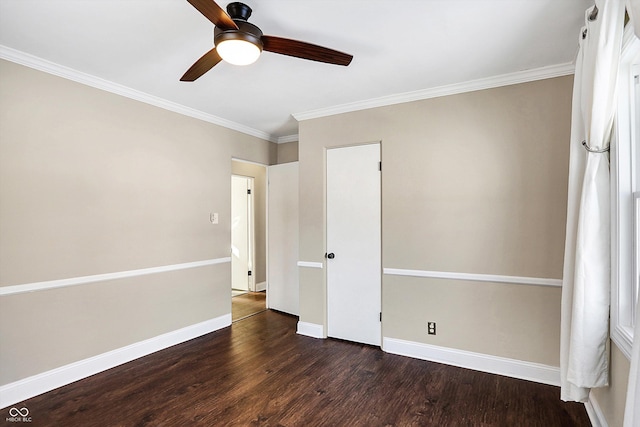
(266, 214)
(250, 232)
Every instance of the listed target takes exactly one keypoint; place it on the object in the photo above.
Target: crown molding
(49, 67)
(287, 138)
(453, 89)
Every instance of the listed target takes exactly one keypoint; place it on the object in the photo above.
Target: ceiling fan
(240, 42)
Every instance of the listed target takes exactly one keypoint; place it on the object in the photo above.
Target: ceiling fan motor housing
(246, 31)
(237, 10)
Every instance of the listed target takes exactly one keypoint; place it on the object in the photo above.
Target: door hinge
(249, 191)
(381, 316)
(380, 166)
(249, 272)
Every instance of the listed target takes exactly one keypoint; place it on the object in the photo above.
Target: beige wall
(92, 183)
(259, 173)
(288, 152)
(471, 183)
(480, 317)
(612, 399)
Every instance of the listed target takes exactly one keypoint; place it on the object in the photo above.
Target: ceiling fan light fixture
(239, 47)
(238, 51)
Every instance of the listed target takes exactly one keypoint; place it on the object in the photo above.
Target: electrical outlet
(213, 217)
(431, 328)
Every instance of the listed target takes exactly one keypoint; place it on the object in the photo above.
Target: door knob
(331, 255)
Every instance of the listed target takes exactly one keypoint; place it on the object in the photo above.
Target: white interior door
(283, 291)
(354, 244)
(241, 233)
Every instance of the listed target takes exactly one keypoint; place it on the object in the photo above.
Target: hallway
(247, 304)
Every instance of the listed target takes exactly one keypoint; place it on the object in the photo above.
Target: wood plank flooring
(259, 372)
(248, 304)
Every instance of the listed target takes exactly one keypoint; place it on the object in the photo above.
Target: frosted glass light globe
(238, 52)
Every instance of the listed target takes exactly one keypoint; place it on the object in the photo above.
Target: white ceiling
(399, 46)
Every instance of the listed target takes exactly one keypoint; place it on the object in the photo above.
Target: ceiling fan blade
(201, 66)
(305, 50)
(214, 13)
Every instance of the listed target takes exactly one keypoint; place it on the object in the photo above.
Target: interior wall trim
(517, 280)
(453, 89)
(74, 281)
(49, 67)
(310, 330)
(513, 368)
(27, 388)
(594, 411)
(310, 264)
(288, 138)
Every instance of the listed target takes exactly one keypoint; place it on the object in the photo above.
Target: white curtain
(586, 277)
(633, 9)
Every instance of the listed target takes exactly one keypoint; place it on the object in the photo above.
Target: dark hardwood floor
(248, 304)
(260, 372)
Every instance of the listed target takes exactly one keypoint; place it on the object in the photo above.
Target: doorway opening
(242, 234)
(247, 304)
(248, 238)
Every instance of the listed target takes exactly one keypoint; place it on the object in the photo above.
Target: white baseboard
(596, 416)
(41, 383)
(311, 330)
(536, 372)
(262, 286)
